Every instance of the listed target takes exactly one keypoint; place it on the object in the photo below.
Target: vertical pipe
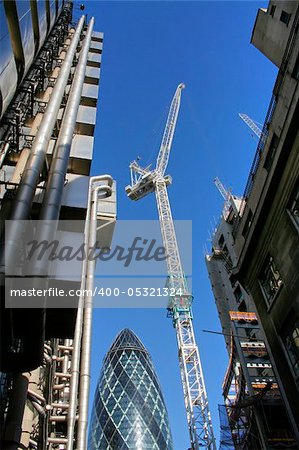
(14, 418)
(51, 205)
(75, 365)
(4, 153)
(87, 319)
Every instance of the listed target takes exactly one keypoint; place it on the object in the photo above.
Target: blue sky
(150, 47)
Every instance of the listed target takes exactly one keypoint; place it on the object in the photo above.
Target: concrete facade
(264, 234)
(272, 29)
(252, 399)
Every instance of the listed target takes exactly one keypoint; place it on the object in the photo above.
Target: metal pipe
(65, 392)
(13, 425)
(4, 153)
(38, 408)
(62, 374)
(47, 358)
(75, 367)
(33, 443)
(60, 405)
(36, 395)
(34, 165)
(48, 348)
(54, 189)
(52, 440)
(58, 418)
(65, 347)
(87, 323)
(58, 387)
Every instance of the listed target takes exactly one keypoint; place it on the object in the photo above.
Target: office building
(254, 262)
(129, 411)
(253, 414)
(50, 64)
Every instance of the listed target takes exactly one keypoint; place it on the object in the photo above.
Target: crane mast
(179, 308)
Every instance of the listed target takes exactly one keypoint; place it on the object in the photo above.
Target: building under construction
(253, 265)
(49, 82)
(253, 415)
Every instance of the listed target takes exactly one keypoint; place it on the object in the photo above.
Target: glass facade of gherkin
(129, 411)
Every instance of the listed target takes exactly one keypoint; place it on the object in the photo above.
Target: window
(272, 10)
(270, 280)
(238, 293)
(293, 206)
(227, 259)
(285, 17)
(242, 307)
(295, 73)
(221, 241)
(291, 343)
(247, 224)
(271, 152)
(225, 250)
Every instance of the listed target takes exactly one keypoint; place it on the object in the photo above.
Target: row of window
(270, 280)
(271, 283)
(291, 343)
(285, 17)
(292, 209)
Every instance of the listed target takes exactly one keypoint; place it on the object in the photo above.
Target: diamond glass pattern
(129, 410)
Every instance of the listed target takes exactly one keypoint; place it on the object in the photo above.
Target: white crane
(252, 125)
(228, 197)
(143, 182)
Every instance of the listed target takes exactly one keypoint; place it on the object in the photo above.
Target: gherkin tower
(129, 410)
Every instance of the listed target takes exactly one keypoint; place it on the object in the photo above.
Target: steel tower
(143, 182)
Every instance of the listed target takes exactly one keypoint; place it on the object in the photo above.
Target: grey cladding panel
(76, 191)
(95, 57)
(90, 90)
(92, 75)
(86, 114)
(96, 46)
(97, 35)
(82, 147)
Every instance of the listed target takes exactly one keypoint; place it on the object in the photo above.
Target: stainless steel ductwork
(98, 186)
(54, 187)
(25, 358)
(30, 178)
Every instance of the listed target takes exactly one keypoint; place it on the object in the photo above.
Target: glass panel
(130, 389)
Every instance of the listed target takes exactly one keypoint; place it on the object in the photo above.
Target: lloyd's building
(50, 61)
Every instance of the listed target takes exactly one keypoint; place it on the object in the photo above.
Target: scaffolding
(249, 389)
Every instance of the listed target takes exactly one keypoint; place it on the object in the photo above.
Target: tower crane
(143, 182)
(252, 125)
(228, 197)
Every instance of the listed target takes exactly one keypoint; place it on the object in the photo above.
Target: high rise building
(253, 414)
(50, 62)
(129, 411)
(254, 261)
